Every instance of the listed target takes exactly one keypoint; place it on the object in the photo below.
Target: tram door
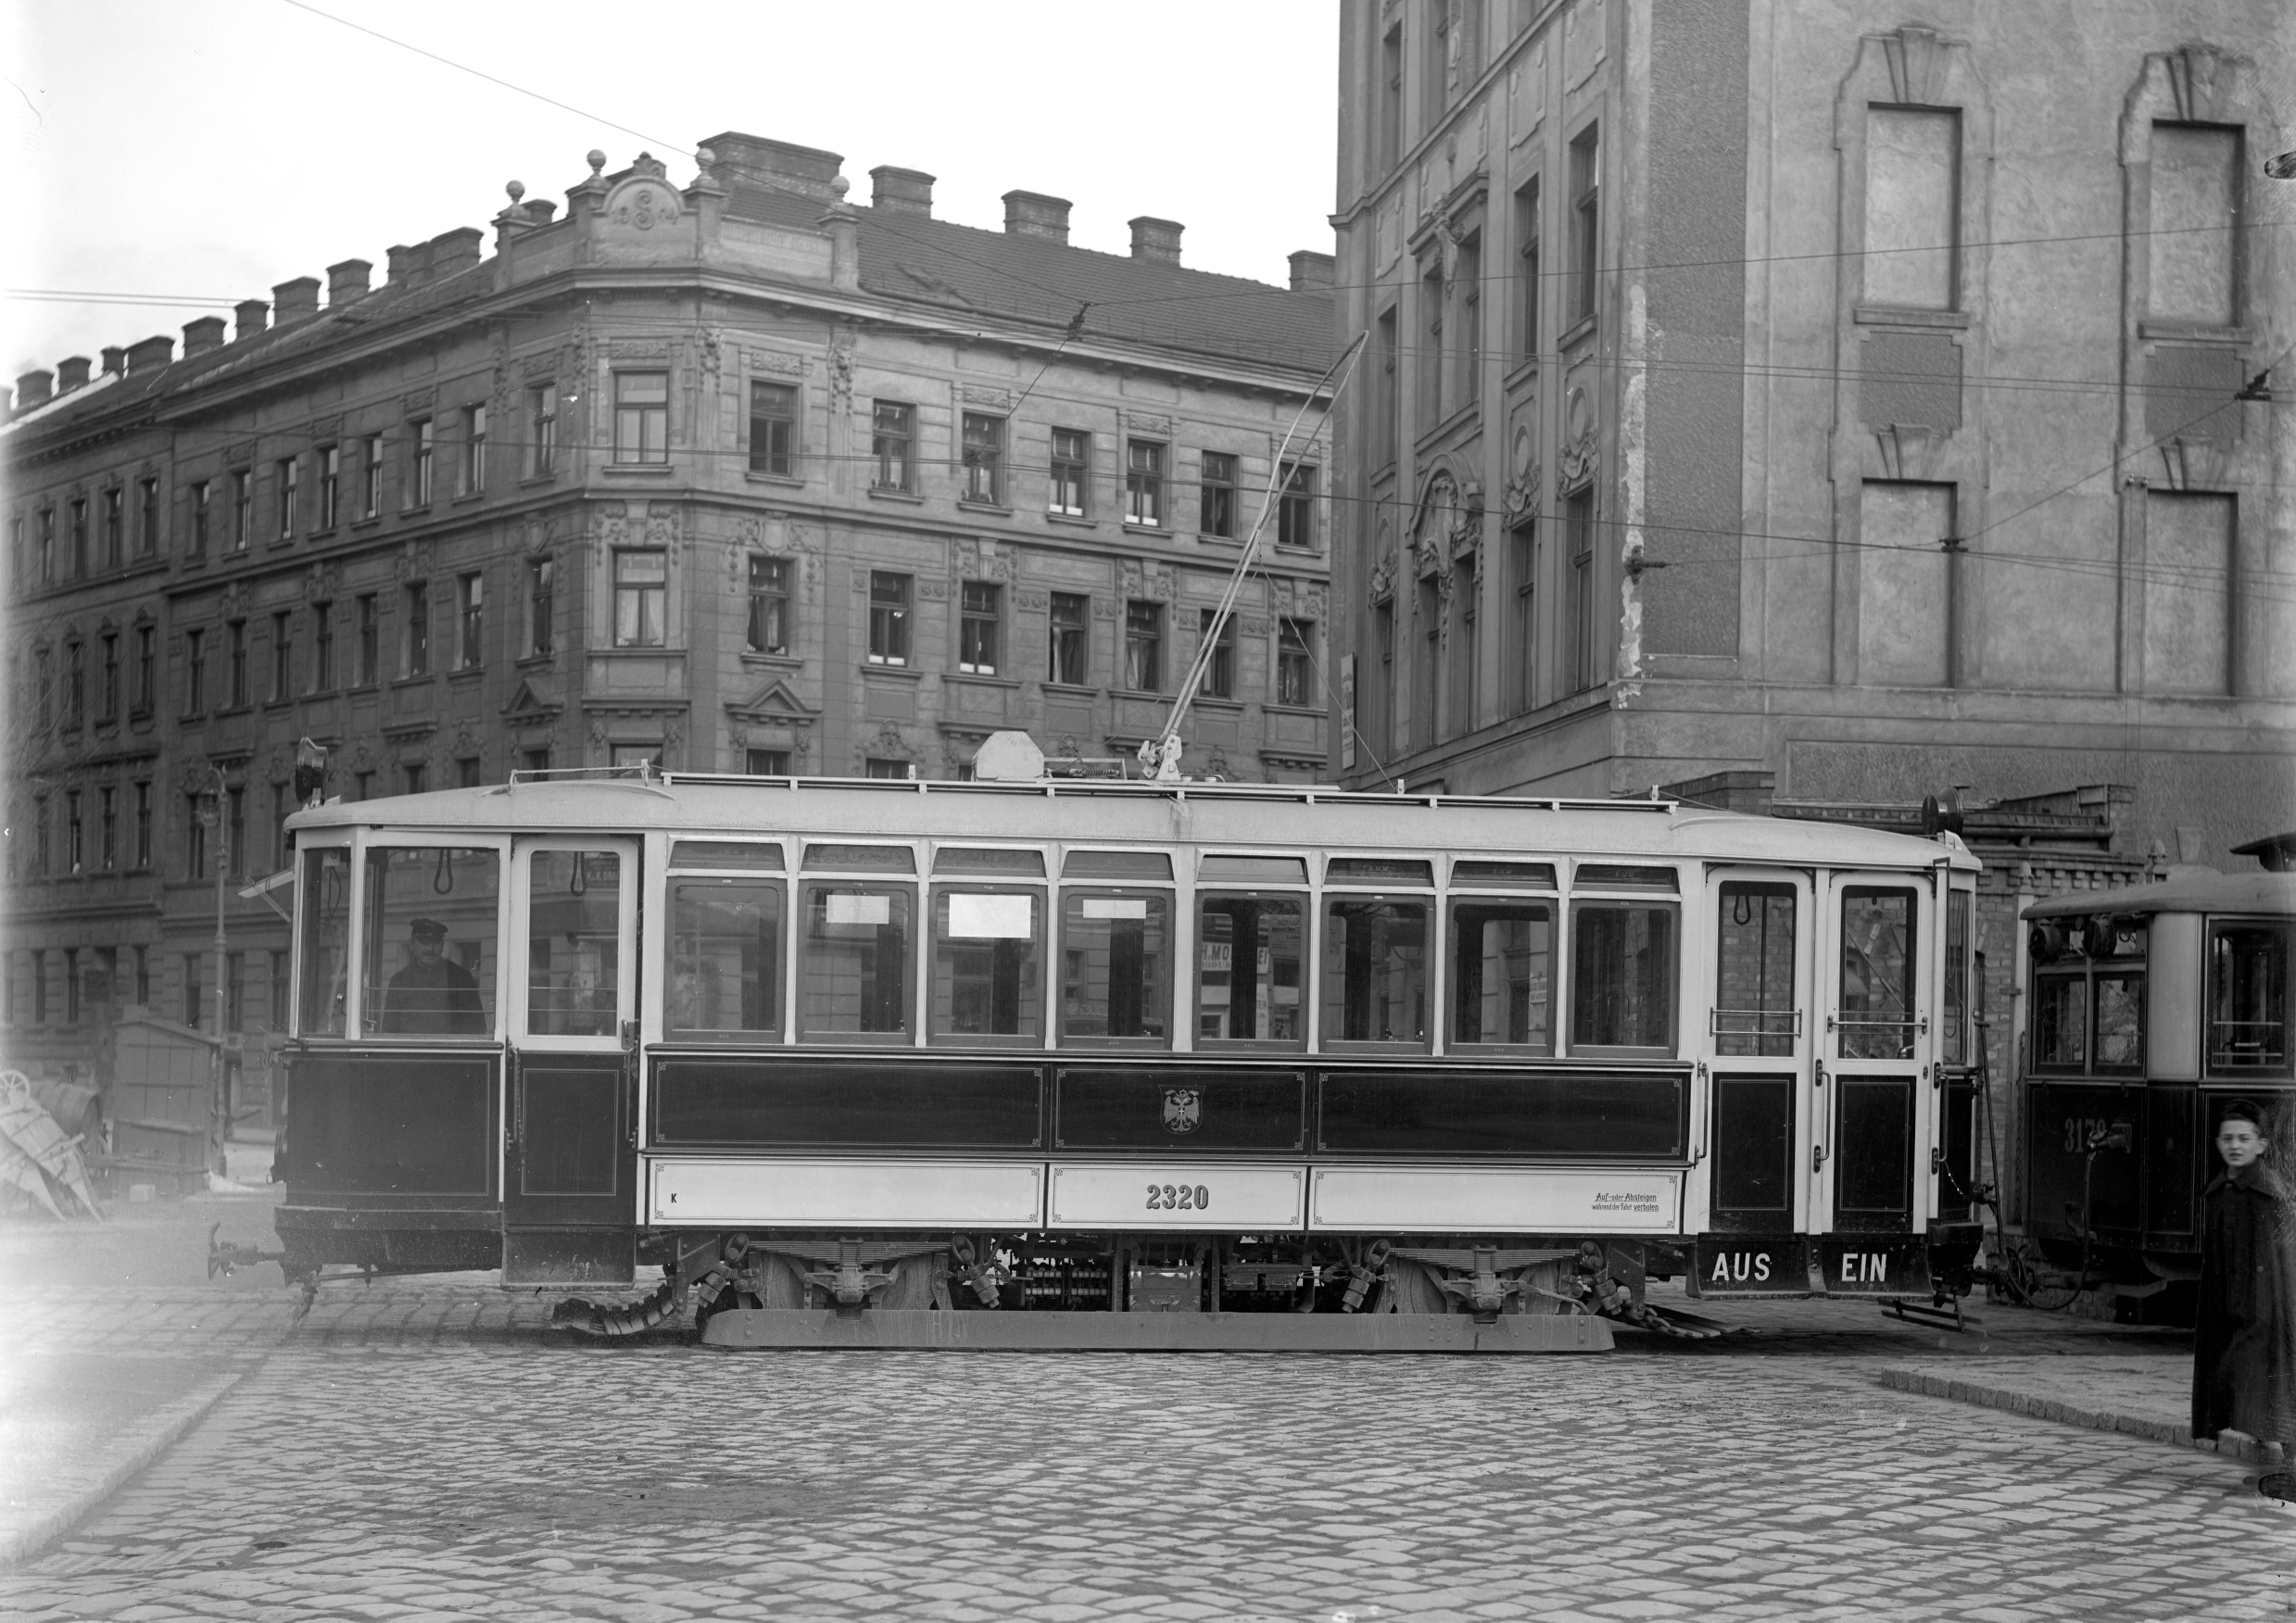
(1757, 1051)
(568, 1200)
(1875, 972)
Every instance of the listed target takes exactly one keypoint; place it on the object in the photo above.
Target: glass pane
(326, 905)
(1754, 972)
(1877, 975)
(2060, 1023)
(2120, 1022)
(856, 968)
(724, 968)
(1501, 965)
(432, 924)
(1254, 870)
(2248, 997)
(574, 943)
(1956, 977)
(1617, 876)
(749, 856)
(988, 977)
(1143, 865)
(1114, 963)
(1379, 871)
(1248, 968)
(1503, 875)
(1622, 976)
(861, 859)
(965, 859)
(1375, 972)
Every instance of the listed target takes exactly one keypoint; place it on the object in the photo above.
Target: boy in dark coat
(2244, 1341)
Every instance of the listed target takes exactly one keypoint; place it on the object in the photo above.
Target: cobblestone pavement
(412, 1469)
(431, 1449)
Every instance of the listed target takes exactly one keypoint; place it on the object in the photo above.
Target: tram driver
(432, 994)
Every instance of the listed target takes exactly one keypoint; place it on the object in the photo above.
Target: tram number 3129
(1179, 1198)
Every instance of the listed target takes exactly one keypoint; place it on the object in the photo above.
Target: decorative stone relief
(538, 366)
(1578, 454)
(1522, 482)
(708, 350)
(409, 403)
(645, 201)
(841, 368)
(326, 427)
(774, 360)
(1000, 398)
(642, 348)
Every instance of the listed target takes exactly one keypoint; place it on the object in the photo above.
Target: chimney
(115, 359)
(456, 250)
(1155, 239)
(901, 191)
(254, 316)
(779, 165)
(1311, 271)
(151, 354)
(72, 373)
(202, 336)
(31, 388)
(299, 297)
(398, 264)
(1034, 214)
(540, 211)
(348, 281)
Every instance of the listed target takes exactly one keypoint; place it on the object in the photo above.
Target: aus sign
(1735, 1266)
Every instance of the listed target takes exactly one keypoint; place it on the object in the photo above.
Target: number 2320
(1179, 1198)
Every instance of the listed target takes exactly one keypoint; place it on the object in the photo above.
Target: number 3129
(1179, 1198)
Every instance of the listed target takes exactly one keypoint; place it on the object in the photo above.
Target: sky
(203, 150)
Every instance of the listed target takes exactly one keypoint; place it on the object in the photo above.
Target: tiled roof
(963, 268)
(905, 256)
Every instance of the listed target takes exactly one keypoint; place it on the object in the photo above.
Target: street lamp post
(219, 1105)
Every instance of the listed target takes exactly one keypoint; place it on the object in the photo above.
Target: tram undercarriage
(1175, 1292)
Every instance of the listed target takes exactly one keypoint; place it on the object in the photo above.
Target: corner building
(736, 475)
(1835, 400)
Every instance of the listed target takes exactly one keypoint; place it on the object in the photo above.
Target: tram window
(2120, 1019)
(326, 904)
(1503, 875)
(1379, 871)
(856, 967)
(1617, 876)
(431, 926)
(1147, 867)
(574, 943)
(1502, 976)
(1754, 1008)
(988, 964)
(746, 856)
(2060, 1022)
(2247, 1000)
(1956, 1045)
(724, 970)
(1242, 870)
(1622, 976)
(983, 860)
(2089, 994)
(1248, 959)
(1876, 1015)
(1115, 979)
(861, 859)
(1375, 970)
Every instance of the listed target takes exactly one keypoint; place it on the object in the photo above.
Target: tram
(1098, 1063)
(2149, 1010)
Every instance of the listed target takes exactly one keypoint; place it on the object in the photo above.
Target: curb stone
(144, 1445)
(2232, 1444)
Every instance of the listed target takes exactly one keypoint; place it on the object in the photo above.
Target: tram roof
(2192, 893)
(1246, 816)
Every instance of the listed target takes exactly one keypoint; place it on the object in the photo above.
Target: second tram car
(1124, 1063)
(2149, 1010)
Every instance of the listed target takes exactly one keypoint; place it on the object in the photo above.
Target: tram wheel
(2034, 1283)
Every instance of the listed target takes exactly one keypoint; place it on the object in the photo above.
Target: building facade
(735, 475)
(1861, 397)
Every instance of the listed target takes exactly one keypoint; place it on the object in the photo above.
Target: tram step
(1159, 1332)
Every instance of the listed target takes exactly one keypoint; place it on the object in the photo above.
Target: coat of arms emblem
(1183, 1109)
